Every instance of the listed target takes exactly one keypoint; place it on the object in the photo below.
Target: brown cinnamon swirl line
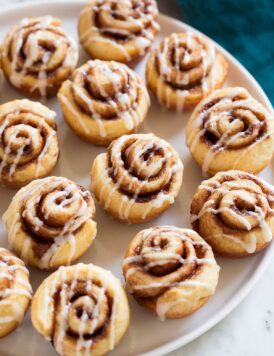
(231, 130)
(118, 30)
(28, 142)
(15, 292)
(183, 69)
(104, 101)
(138, 178)
(171, 271)
(233, 212)
(81, 309)
(37, 56)
(50, 222)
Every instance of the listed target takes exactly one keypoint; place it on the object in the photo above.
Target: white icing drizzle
(222, 109)
(161, 257)
(68, 287)
(182, 77)
(74, 222)
(121, 104)
(6, 122)
(126, 203)
(43, 27)
(141, 40)
(163, 308)
(17, 286)
(249, 242)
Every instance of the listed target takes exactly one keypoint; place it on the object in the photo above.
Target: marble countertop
(249, 329)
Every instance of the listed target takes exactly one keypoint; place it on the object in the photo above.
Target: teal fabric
(244, 27)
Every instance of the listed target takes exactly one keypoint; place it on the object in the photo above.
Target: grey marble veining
(249, 329)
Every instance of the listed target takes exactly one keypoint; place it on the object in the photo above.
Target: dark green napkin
(244, 27)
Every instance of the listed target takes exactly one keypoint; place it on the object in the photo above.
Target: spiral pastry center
(123, 19)
(233, 128)
(162, 254)
(184, 60)
(39, 43)
(235, 207)
(55, 209)
(142, 165)
(88, 313)
(243, 209)
(105, 90)
(161, 259)
(38, 55)
(25, 136)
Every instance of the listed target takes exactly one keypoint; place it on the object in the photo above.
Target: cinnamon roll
(170, 271)
(138, 178)
(28, 142)
(15, 292)
(183, 69)
(233, 212)
(104, 101)
(37, 56)
(50, 223)
(118, 30)
(230, 130)
(81, 309)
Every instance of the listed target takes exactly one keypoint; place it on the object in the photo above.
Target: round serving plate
(147, 335)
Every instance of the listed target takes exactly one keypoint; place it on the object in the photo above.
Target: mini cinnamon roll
(170, 271)
(28, 142)
(233, 212)
(104, 101)
(183, 69)
(37, 56)
(81, 309)
(15, 292)
(50, 222)
(231, 130)
(138, 178)
(118, 30)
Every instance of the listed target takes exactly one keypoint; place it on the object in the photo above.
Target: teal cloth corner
(244, 27)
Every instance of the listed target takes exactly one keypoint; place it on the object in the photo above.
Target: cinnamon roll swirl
(37, 56)
(231, 130)
(81, 309)
(170, 271)
(183, 69)
(28, 142)
(104, 101)
(118, 30)
(50, 223)
(233, 212)
(138, 178)
(15, 292)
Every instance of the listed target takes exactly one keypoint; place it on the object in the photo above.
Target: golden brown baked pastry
(15, 292)
(231, 130)
(104, 101)
(118, 30)
(37, 56)
(138, 178)
(28, 142)
(81, 309)
(233, 212)
(183, 69)
(170, 271)
(50, 222)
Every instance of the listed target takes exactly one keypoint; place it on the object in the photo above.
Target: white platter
(147, 335)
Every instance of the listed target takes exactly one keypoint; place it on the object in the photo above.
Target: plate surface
(147, 335)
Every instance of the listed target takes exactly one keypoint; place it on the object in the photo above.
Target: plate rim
(268, 254)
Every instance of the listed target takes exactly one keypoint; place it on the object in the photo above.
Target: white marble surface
(249, 329)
